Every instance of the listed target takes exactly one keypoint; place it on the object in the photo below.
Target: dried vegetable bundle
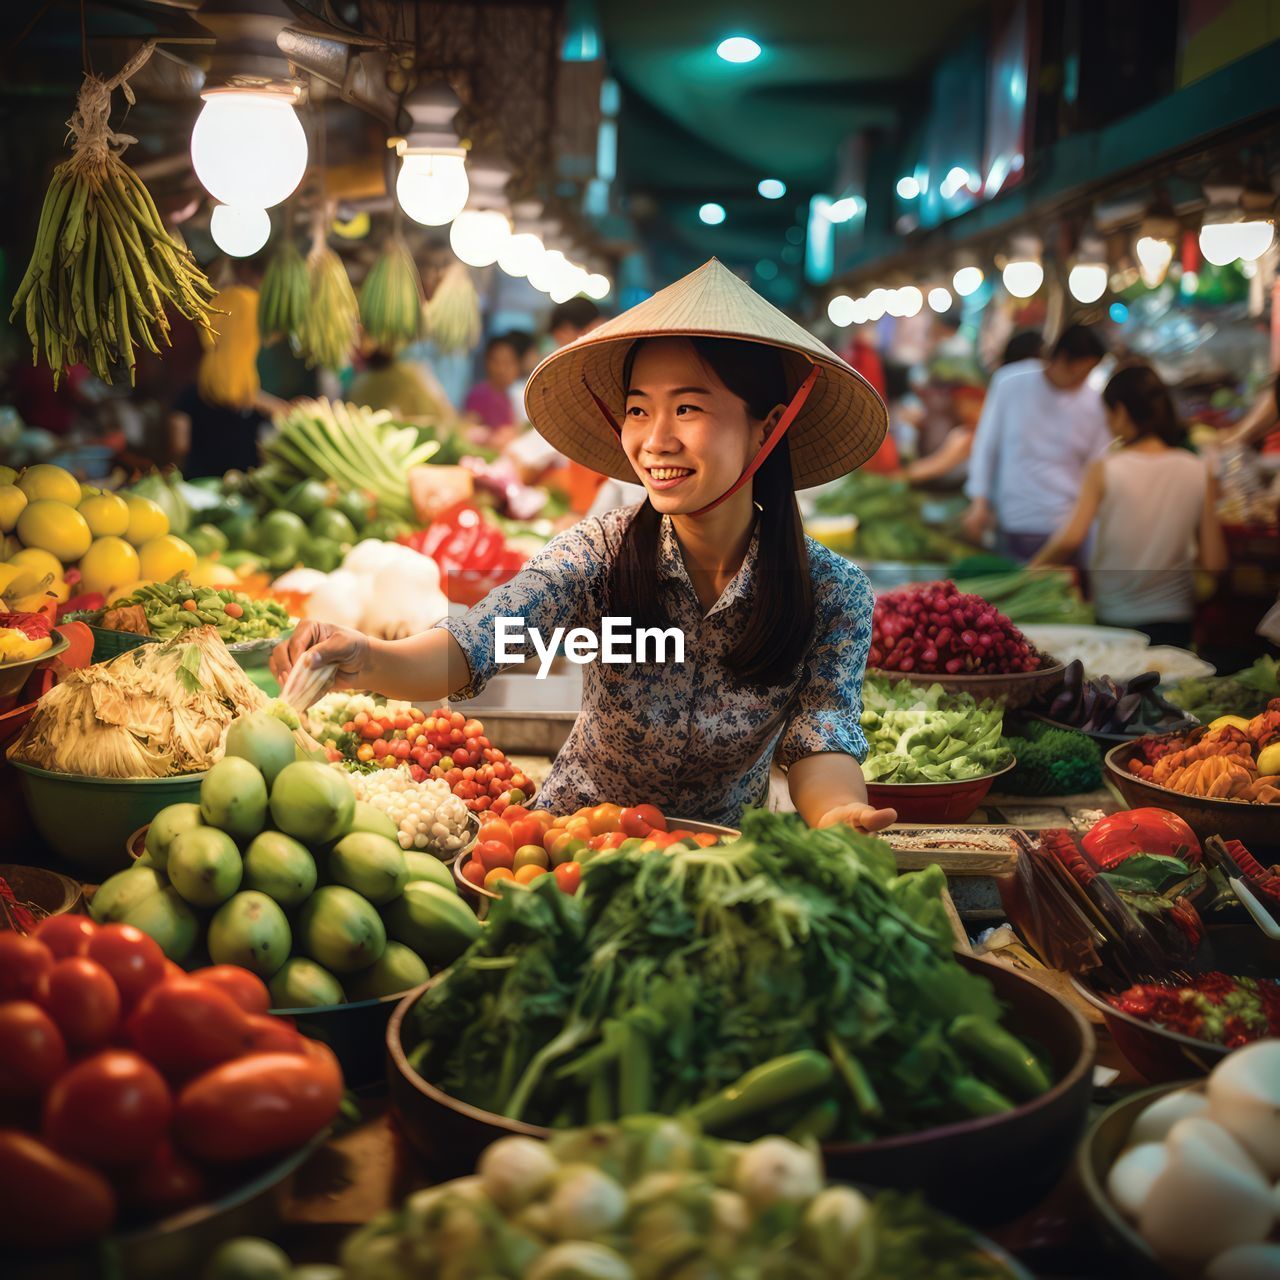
(328, 331)
(286, 292)
(452, 317)
(391, 298)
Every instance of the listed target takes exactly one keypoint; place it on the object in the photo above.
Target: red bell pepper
(1121, 835)
(472, 554)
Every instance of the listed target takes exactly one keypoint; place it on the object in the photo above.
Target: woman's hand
(320, 643)
(862, 817)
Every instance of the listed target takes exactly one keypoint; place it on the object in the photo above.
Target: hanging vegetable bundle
(104, 267)
(391, 297)
(328, 330)
(286, 291)
(452, 317)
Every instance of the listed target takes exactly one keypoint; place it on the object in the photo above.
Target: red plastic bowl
(934, 801)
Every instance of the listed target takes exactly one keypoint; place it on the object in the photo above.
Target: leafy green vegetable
(675, 973)
(1244, 694)
(927, 735)
(1052, 761)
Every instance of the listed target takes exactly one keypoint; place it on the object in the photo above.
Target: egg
(1203, 1202)
(1133, 1173)
(1155, 1121)
(1244, 1097)
(1246, 1262)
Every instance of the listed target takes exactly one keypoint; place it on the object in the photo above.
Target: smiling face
(685, 433)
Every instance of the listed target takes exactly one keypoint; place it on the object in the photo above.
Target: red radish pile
(934, 629)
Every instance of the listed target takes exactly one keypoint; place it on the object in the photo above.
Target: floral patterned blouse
(685, 737)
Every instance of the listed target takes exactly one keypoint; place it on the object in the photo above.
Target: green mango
(398, 969)
(369, 817)
(166, 826)
(281, 537)
(357, 507)
(250, 930)
(303, 984)
(280, 867)
(306, 498)
(426, 866)
(206, 540)
(233, 798)
(370, 864)
(340, 930)
(204, 866)
(332, 524)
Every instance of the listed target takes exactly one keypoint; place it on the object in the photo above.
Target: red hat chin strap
(771, 441)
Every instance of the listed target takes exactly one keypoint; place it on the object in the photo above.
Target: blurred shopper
(948, 465)
(489, 401)
(1040, 428)
(527, 353)
(1262, 419)
(1154, 504)
(570, 320)
(388, 382)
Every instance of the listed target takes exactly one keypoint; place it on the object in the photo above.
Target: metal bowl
(1014, 689)
(934, 801)
(180, 1244)
(1257, 826)
(472, 891)
(950, 1164)
(1107, 1138)
(48, 892)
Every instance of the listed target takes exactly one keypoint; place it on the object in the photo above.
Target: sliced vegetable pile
(934, 628)
(791, 982)
(171, 608)
(132, 1090)
(919, 734)
(652, 1199)
(1230, 759)
(383, 734)
(281, 870)
(1216, 1007)
(1198, 1177)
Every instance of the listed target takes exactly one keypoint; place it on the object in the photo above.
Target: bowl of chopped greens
(792, 982)
(936, 801)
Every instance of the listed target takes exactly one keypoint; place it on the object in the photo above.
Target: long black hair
(776, 636)
(1147, 400)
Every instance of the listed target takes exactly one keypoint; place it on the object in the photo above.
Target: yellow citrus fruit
(128, 589)
(55, 527)
(108, 565)
(40, 562)
(89, 491)
(209, 573)
(147, 519)
(45, 481)
(12, 500)
(161, 558)
(107, 515)
(8, 475)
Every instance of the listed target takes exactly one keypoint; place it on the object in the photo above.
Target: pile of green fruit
(279, 869)
(175, 606)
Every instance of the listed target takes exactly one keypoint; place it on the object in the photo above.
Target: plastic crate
(109, 644)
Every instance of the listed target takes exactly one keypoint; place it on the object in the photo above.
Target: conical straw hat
(840, 426)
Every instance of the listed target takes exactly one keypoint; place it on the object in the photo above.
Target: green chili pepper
(855, 1077)
(819, 1122)
(772, 1083)
(1004, 1055)
(978, 1099)
(635, 1072)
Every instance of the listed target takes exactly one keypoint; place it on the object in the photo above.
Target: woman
(719, 427)
(489, 402)
(1154, 504)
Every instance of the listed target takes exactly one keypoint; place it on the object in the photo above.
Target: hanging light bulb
(598, 286)
(248, 147)
(940, 300)
(521, 251)
(1023, 273)
(840, 310)
(238, 231)
(546, 271)
(1156, 240)
(432, 186)
(478, 236)
(966, 280)
(1232, 237)
(877, 302)
(910, 300)
(1088, 278)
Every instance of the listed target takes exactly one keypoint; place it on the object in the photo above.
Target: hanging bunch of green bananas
(286, 291)
(104, 266)
(328, 331)
(391, 298)
(452, 318)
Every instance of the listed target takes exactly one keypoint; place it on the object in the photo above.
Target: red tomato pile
(130, 1087)
(523, 844)
(444, 744)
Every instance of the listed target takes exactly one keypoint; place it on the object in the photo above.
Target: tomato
(274, 1035)
(529, 873)
(186, 1026)
(562, 845)
(168, 1181)
(47, 1200)
(81, 998)
(172, 970)
(23, 961)
(110, 1109)
(498, 831)
(493, 879)
(245, 988)
(651, 814)
(579, 827)
(134, 961)
(65, 935)
(258, 1105)
(473, 870)
(530, 855)
(514, 813)
(568, 876)
(633, 823)
(33, 1053)
(492, 854)
(706, 839)
(527, 831)
(604, 819)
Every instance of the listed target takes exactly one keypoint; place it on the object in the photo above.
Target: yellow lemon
(8, 475)
(208, 573)
(147, 519)
(89, 491)
(108, 565)
(42, 563)
(45, 481)
(1233, 722)
(18, 579)
(55, 527)
(1269, 760)
(12, 501)
(107, 515)
(161, 558)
